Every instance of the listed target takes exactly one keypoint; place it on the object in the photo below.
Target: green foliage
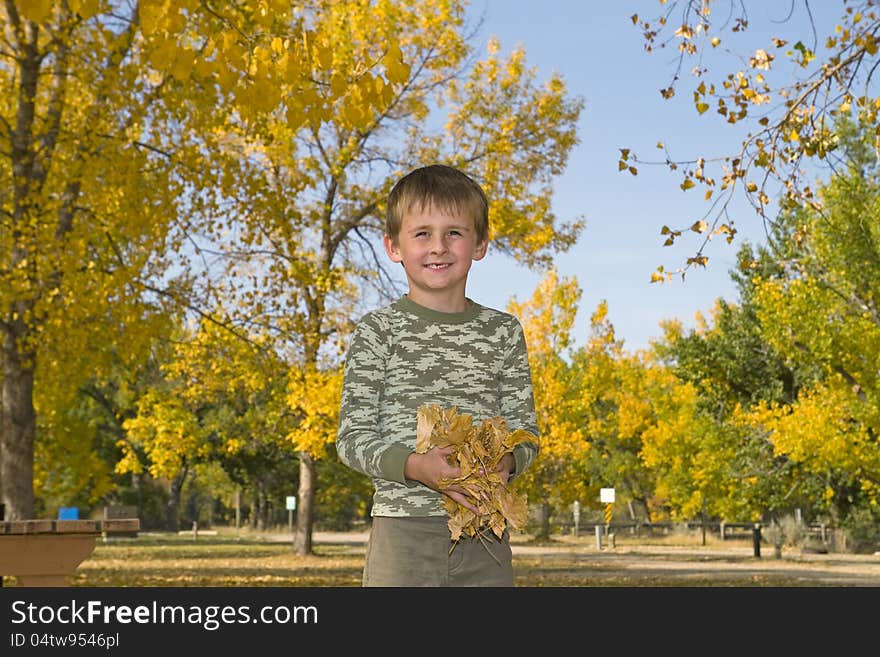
(820, 310)
(344, 496)
(863, 530)
(731, 363)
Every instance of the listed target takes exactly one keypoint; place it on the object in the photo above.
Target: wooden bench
(45, 552)
(118, 512)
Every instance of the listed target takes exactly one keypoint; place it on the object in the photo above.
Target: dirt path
(568, 561)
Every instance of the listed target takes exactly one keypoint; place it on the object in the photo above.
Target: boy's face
(436, 251)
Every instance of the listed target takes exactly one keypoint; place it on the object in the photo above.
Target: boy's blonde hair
(442, 187)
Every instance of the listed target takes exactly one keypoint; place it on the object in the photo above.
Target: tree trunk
(261, 508)
(543, 530)
(302, 535)
(171, 510)
(647, 511)
(137, 481)
(18, 426)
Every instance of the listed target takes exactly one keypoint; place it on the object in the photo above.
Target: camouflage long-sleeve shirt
(404, 356)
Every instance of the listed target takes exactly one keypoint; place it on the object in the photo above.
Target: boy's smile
(436, 250)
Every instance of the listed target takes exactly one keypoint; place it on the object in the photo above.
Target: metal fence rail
(721, 529)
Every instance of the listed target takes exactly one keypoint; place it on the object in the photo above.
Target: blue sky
(599, 53)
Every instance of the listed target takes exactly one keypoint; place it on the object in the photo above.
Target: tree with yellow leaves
(110, 118)
(784, 95)
(693, 459)
(786, 378)
(309, 180)
(600, 410)
(84, 214)
(622, 398)
(216, 399)
(730, 368)
(232, 161)
(557, 477)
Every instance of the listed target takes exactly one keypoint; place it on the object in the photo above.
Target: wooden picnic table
(45, 552)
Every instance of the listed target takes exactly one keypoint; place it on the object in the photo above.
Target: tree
(79, 436)
(78, 235)
(105, 111)
(723, 464)
(823, 314)
(729, 361)
(306, 187)
(789, 118)
(786, 378)
(555, 477)
(217, 401)
(621, 397)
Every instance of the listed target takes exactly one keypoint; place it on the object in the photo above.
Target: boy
(432, 346)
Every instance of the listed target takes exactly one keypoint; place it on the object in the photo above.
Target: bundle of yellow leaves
(477, 450)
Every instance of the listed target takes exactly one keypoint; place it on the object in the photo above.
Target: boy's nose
(438, 245)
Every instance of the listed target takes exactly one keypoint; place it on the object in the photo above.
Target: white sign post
(606, 496)
(291, 507)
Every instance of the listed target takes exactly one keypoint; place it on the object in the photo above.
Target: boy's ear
(392, 249)
(480, 250)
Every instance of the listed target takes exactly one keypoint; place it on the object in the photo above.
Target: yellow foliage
(477, 450)
(818, 431)
(549, 316)
(314, 396)
(35, 10)
(396, 69)
(167, 431)
(207, 130)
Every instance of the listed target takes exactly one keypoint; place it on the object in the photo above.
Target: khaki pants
(419, 552)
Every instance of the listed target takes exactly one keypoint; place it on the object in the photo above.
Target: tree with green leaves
(822, 313)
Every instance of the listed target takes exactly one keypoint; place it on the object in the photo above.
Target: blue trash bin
(68, 513)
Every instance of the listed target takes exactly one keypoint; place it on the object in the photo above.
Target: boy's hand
(431, 468)
(506, 467)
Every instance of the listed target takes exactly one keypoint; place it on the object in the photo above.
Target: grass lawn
(238, 559)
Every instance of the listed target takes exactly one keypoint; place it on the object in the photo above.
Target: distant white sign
(606, 495)
(291, 502)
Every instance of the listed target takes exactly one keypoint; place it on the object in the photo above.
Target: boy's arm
(518, 400)
(359, 443)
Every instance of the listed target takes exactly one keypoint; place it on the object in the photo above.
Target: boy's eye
(455, 232)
